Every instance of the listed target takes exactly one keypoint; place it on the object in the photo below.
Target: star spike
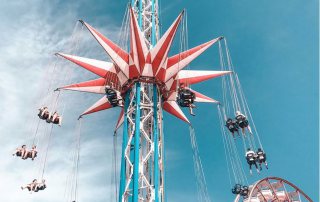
(188, 77)
(196, 76)
(181, 60)
(100, 68)
(100, 105)
(92, 86)
(202, 98)
(173, 108)
(138, 47)
(160, 52)
(119, 56)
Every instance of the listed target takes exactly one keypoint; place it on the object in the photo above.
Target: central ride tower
(142, 170)
(143, 82)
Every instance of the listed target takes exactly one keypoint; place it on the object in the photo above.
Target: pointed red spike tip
(160, 52)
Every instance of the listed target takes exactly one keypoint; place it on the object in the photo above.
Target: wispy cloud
(32, 33)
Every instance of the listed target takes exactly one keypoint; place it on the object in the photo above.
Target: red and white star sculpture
(142, 64)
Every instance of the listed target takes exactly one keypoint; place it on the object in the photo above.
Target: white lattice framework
(150, 101)
(146, 179)
(146, 11)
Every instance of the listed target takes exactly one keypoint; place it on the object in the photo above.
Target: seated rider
(31, 187)
(40, 186)
(20, 151)
(55, 118)
(113, 96)
(236, 189)
(186, 99)
(242, 122)
(44, 113)
(232, 126)
(32, 153)
(251, 159)
(244, 191)
(261, 158)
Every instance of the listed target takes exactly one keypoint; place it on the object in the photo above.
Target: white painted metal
(147, 18)
(146, 182)
(146, 154)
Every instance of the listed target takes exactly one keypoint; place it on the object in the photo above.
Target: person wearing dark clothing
(244, 191)
(262, 158)
(20, 152)
(186, 99)
(242, 122)
(114, 96)
(236, 189)
(251, 160)
(40, 186)
(232, 126)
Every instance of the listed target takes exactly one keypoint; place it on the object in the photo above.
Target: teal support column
(156, 141)
(140, 14)
(136, 146)
(153, 20)
(124, 144)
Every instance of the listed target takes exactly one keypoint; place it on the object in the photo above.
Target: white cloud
(33, 32)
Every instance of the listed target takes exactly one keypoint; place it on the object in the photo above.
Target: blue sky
(274, 47)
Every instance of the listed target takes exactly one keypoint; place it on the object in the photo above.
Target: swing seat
(112, 97)
(110, 91)
(56, 120)
(236, 189)
(48, 120)
(114, 102)
(251, 161)
(19, 153)
(244, 191)
(42, 187)
(184, 103)
(232, 128)
(29, 155)
(44, 116)
(185, 97)
(243, 123)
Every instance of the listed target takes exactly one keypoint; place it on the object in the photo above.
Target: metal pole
(156, 141)
(124, 144)
(140, 14)
(153, 32)
(136, 146)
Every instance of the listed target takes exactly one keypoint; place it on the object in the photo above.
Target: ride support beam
(153, 24)
(156, 142)
(124, 144)
(136, 145)
(140, 14)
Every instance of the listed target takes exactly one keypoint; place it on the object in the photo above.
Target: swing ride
(143, 80)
